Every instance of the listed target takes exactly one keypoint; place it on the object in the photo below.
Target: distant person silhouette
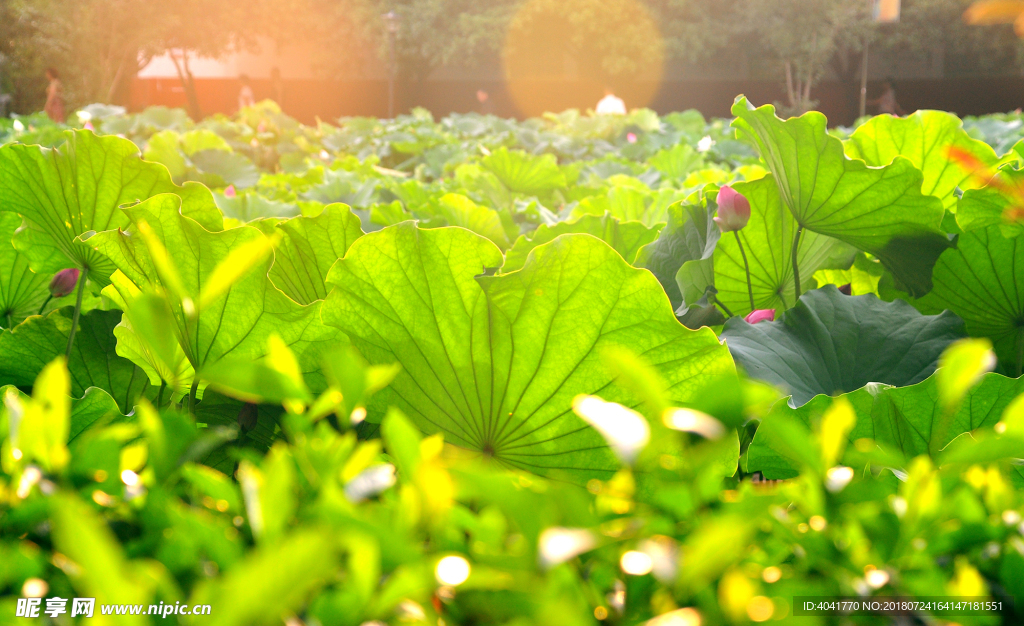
(484, 104)
(54, 97)
(245, 95)
(277, 86)
(610, 104)
(886, 102)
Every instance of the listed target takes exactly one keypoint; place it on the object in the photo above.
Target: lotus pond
(569, 370)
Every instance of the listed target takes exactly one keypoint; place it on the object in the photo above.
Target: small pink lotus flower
(89, 126)
(64, 282)
(230, 192)
(733, 210)
(760, 315)
(631, 137)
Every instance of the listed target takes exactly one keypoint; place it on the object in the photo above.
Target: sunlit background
(327, 58)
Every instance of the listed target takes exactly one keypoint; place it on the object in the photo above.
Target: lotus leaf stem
(78, 313)
(796, 266)
(746, 266)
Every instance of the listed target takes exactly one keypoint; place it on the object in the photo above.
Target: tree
(803, 36)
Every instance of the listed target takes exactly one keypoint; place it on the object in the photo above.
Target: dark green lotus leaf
(908, 418)
(221, 168)
(94, 406)
(525, 173)
(902, 419)
(880, 210)
(923, 138)
(981, 208)
(75, 190)
(625, 237)
(681, 257)
(982, 281)
(308, 248)
(22, 291)
(768, 243)
(830, 344)
(94, 361)
(240, 321)
(494, 362)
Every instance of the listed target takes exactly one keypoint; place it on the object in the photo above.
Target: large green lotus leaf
(625, 237)
(22, 291)
(830, 343)
(981, 208)
(163, 148)
(75, 189)
(982, 281)
(246, 207)
(629, 199)
(768, 243)
(908, 418)
(678, 161)
(880, 210)
(308, 248)
(681, 258)
(458, 210)
(95, 405)
(525, 173)
(222, 168)
(239, 322)
(202, 139)
(903, 419)
(923, 138)
(494, 362)
(94, 361)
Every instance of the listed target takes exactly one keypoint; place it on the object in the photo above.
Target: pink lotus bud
(846, 290)
(262, 126)
(733, 210)
(230, 192)
(631, 137)
(64, 282)
(89, 126)
(760, 315)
